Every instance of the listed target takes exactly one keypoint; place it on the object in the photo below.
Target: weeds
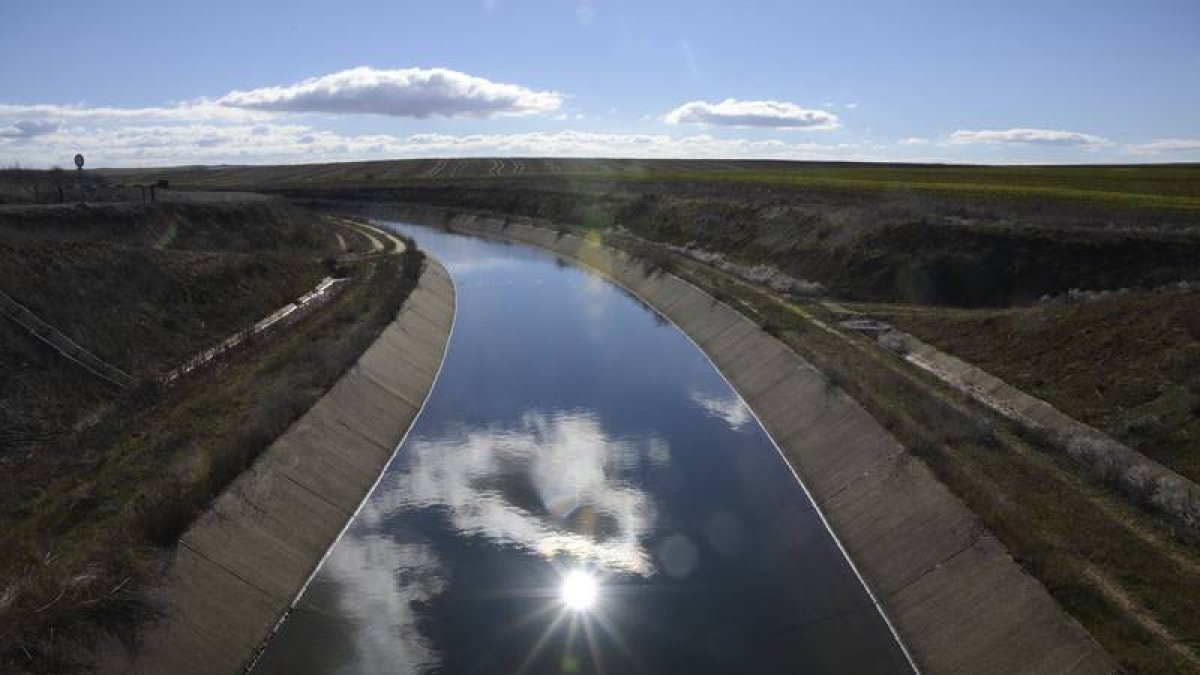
(146, 472)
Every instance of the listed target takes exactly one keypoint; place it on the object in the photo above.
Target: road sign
(78, 161)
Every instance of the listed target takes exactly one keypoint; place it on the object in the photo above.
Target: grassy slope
(864, 246)
(949, 235)
(1128, 364)
(142, 287)
(85, 507)
(147, 309)
(106, 515)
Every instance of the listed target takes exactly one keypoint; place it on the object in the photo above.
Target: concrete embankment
(239, 568)
(957, 600)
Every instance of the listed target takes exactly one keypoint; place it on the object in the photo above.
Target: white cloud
(22, 129)
(1167, 145)
(49, 143)
(411, 92)
(589, 144)
(185, 144)
(852, 106)
(407, 92)
(382, 582)
(1052, 137)
(168, 144)
(735, 113)
(192, 111)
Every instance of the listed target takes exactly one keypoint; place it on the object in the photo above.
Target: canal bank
(236, 572)
(955, 597)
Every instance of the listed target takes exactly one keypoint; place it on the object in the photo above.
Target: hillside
(947, 235)
(143, 287)
(1126, 363)
(98, 482)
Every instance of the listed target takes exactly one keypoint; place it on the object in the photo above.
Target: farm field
(1154, 186)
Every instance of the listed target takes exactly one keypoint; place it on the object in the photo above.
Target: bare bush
(1137, 476)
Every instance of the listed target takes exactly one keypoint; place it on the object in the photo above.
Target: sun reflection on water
(580, 590)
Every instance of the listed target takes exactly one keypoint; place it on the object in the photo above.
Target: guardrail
(286, 314)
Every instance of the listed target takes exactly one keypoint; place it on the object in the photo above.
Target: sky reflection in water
(576, 442)
(551, 486)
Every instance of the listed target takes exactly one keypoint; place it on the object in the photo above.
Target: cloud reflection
(381, 583)
(551, 486)
(480, 265)
(729, 408)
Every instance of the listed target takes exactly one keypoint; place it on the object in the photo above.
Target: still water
(583, 492)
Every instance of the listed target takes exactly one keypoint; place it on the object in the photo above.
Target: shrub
(1137, 477)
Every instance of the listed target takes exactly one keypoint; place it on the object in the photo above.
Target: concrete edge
(953, 596)
(241, 567)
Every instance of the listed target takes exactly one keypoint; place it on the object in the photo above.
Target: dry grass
(1125, 363)
(101, 505)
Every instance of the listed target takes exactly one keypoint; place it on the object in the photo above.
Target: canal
(583, 492)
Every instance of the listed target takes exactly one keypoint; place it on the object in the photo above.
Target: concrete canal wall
(238, 569)
(956, 599)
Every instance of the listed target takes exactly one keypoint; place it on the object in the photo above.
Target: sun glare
(579, 590)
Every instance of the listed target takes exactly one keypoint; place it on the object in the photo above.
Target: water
(582, 493)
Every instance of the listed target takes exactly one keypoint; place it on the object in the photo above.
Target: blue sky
(161, 83)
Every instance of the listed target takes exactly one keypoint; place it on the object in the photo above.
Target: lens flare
(579, 590)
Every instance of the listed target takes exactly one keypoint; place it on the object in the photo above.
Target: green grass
(1159, 187)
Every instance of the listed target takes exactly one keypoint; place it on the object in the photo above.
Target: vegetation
(887, 245)
(1171, 186)
(93, 503)
(144, 288)
(1126, 363)
(1160, 187)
